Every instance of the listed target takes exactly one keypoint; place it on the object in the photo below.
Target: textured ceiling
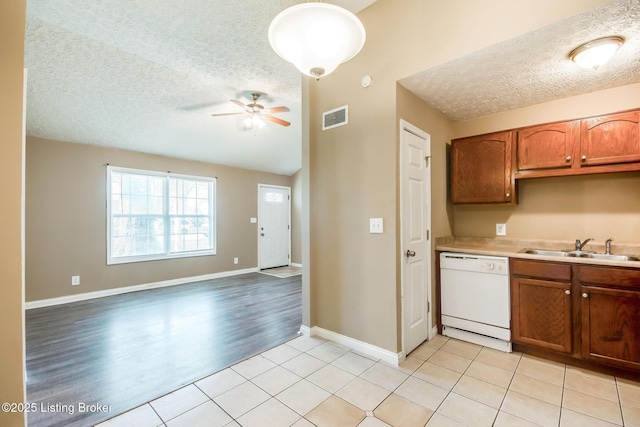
(146, 76)
(534, 67)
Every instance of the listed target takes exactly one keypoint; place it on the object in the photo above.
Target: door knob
(585, 295)
(411, 253)
(568, 292)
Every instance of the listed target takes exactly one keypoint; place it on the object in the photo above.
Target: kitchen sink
(548, 252)
(580, 254)
(612, 257)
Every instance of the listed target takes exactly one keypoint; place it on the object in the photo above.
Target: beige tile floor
(443, 383)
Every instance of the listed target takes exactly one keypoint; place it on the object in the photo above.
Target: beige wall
(12, 360)
(66, 219)
(563, 208)
(296, 217)
(353, 169)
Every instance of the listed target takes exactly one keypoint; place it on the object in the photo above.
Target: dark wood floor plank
(125, 350)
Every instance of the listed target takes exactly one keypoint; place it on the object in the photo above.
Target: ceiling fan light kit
(593, 54)
(257, 113)
(316, 37)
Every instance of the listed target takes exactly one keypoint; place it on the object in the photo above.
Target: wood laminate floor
(125, 350)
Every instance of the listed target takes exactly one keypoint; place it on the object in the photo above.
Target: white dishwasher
(474, 299)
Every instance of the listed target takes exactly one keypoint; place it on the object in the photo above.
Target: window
(153, 215)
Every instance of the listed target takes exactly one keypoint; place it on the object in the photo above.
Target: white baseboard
(305, 330)
(126, 289)
(295, 264)
(434, 332)
(357, 345)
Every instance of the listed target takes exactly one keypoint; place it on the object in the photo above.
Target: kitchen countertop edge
(512, 248)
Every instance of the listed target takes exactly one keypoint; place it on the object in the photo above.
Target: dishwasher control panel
(477, 263)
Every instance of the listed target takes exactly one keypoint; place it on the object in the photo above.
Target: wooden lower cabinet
(611, 316)
(586, 313)
(541, 307)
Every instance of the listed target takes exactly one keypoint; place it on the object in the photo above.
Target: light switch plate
(254, 220)
(501, 229)
(375, 225)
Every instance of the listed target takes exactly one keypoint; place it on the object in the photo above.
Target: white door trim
(260, 186)
(406, 126)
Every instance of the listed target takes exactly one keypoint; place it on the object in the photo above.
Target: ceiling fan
(257, 113)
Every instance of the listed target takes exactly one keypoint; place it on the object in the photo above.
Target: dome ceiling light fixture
(316, 37)
(595, 53)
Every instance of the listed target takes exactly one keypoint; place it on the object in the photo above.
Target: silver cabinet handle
(584, 158)
(508, 194)
(568, 292)
(585, 295)
(411, 253)
(568, 158)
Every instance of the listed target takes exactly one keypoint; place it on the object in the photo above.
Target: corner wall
(353, 169)
(66, 219)
(12, 350)
(415, 111)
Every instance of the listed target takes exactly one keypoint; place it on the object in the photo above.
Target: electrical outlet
(501, 229)
(75, 280)
(375, 226)
(235, 260)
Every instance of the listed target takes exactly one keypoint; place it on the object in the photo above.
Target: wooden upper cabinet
(547, 146)
(481, 169)
(610, 139)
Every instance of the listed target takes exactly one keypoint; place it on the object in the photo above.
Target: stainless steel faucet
(580, 245)
(607, 246)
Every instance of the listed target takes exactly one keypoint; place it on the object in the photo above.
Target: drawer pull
(585, 295)
(568, 292)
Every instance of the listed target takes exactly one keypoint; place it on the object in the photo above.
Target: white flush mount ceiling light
(316, 37)
(597, 52)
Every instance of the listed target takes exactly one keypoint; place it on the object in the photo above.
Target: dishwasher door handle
(410, 253)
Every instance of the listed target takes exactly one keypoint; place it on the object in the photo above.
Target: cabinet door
(610, 139)
(547, 146)
(611, 326)
(541, 313)
(481, 169)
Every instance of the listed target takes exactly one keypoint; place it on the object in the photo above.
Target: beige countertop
(510, 247)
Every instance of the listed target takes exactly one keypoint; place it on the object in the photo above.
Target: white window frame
(166, 215)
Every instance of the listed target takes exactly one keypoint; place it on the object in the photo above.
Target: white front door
(274, 214)
(415, 190)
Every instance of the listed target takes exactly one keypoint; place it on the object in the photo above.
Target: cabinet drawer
(541, 269)
(611, 276)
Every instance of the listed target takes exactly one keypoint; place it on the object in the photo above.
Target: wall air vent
(336, 117)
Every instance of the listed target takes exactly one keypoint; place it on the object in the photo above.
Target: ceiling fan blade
(228, 114)
(277, 110)
(275, 120)
(241, 105)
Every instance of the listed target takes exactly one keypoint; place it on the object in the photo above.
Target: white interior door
(415, 190)
(274, 230)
